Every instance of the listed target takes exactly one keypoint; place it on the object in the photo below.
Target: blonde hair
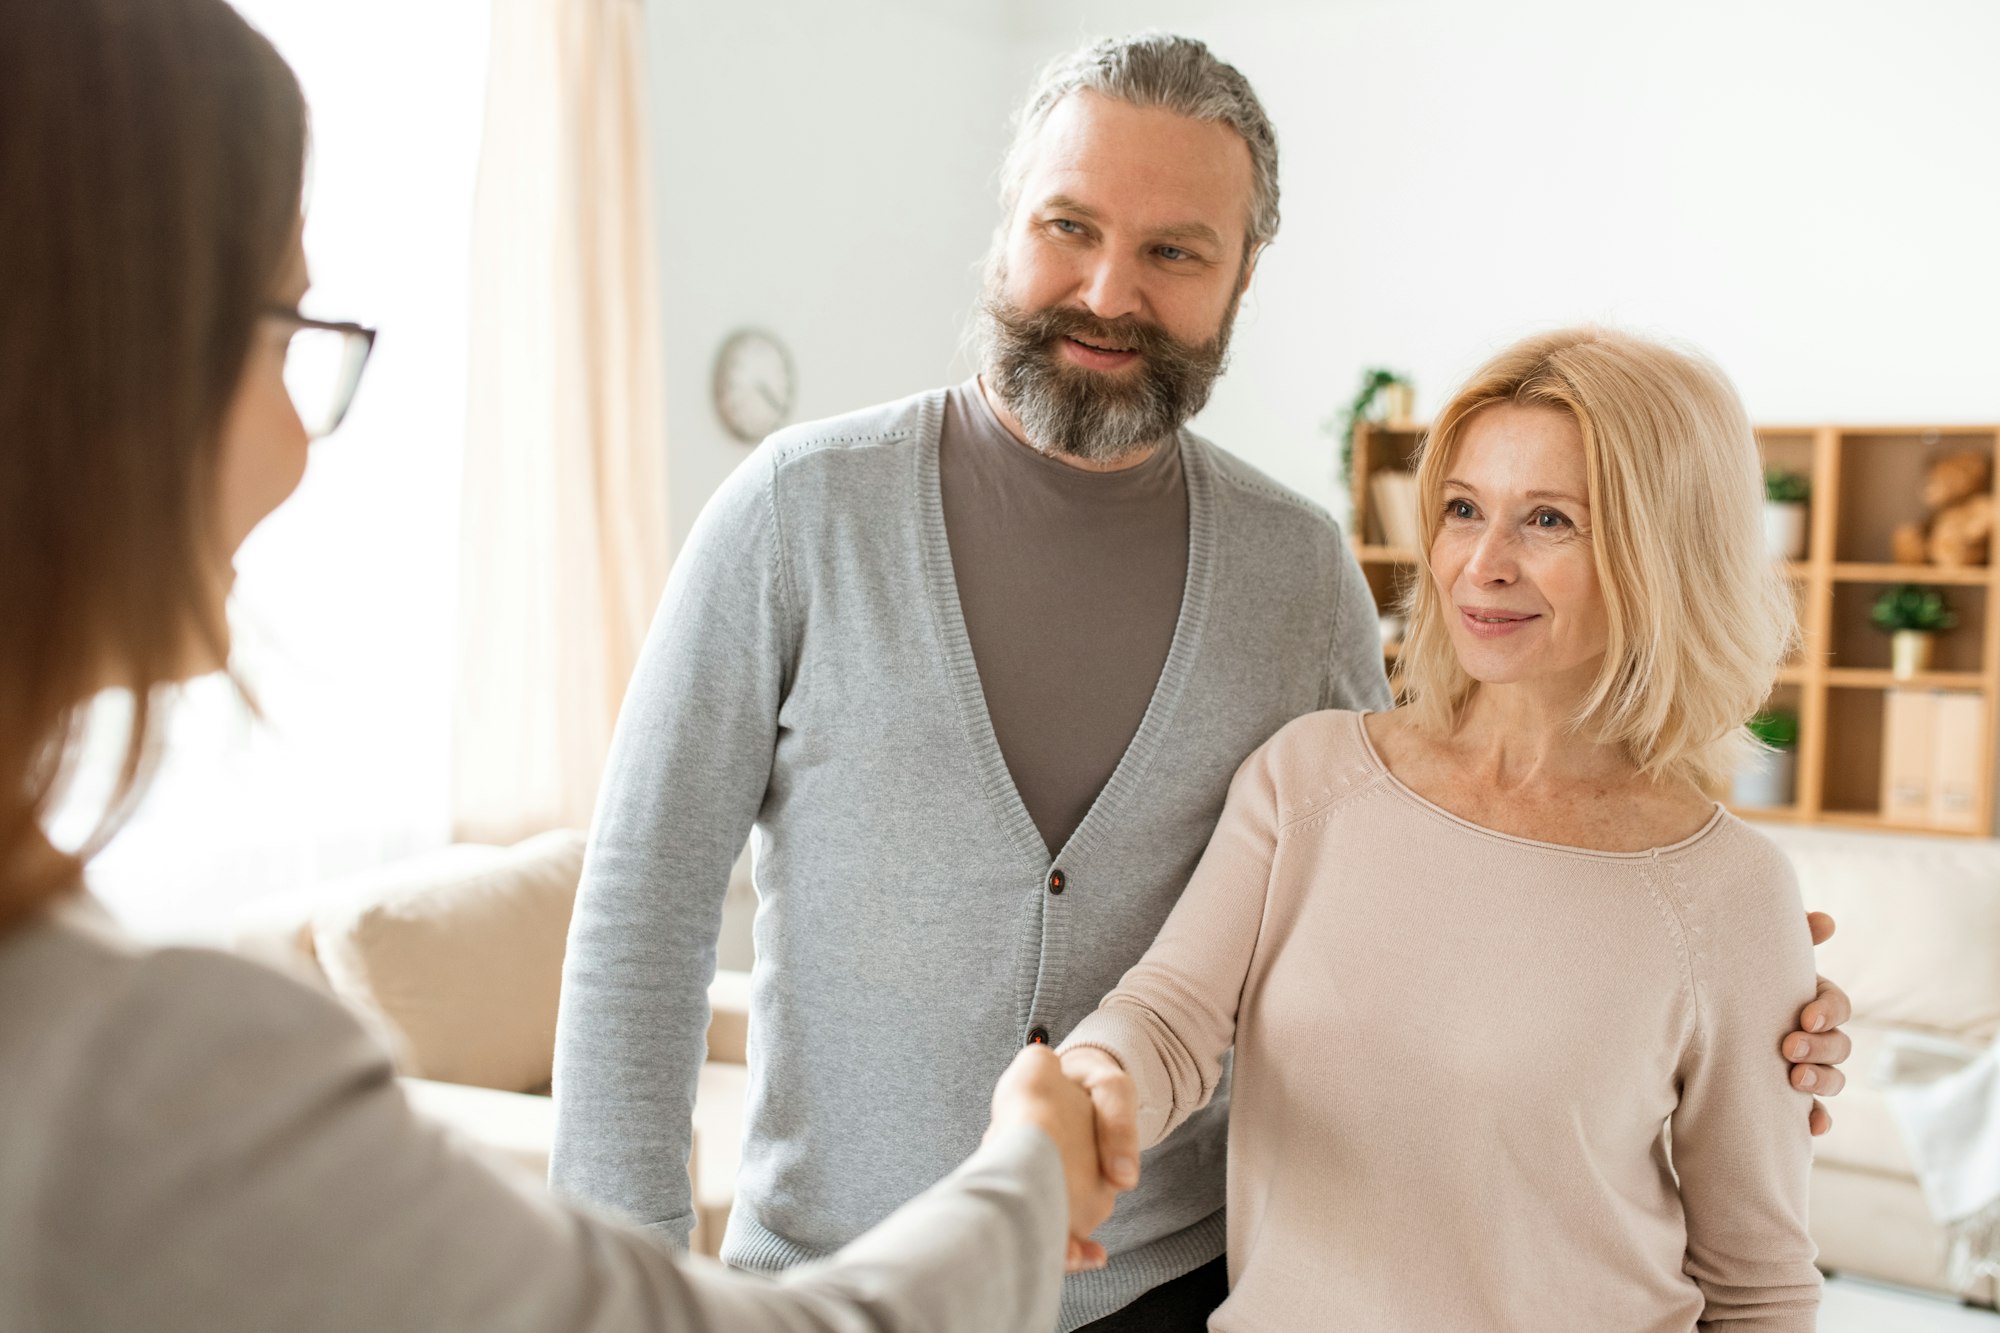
(1700, 616)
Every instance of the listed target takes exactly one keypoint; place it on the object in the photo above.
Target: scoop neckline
(1409, 793)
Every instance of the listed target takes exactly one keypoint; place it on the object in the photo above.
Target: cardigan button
(1039, 1036)
(1057, 882)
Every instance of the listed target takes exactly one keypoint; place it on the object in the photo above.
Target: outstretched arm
(279, 1180)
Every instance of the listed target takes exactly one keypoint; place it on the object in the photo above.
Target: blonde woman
(1506, 988)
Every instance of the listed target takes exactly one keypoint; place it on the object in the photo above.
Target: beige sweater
(189, 1141)
(1458, 1054)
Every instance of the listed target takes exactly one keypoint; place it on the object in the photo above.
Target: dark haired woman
(186, 1140)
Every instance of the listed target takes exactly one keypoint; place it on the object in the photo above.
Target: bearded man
(978, 667)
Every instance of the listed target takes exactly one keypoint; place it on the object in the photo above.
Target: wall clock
(755, 388)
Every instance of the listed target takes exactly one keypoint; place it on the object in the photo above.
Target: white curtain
(564, 539)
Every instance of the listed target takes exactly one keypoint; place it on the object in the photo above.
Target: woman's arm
(1741, 1146)
(1173, 1016)
(235, 1154)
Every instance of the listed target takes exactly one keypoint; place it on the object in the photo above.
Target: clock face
(754, 386)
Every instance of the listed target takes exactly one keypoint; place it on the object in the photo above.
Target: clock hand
(764, 392)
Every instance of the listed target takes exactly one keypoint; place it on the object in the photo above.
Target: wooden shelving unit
(1865, 481)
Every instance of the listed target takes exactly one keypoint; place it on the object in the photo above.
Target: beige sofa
(457, 960)
(1918, 950)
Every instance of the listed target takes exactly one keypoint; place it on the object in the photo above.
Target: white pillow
(1918, 942)
(460, 963)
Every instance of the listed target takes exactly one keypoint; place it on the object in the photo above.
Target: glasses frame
(351, 378)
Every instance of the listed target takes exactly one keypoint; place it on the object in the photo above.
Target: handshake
(1084, 1100)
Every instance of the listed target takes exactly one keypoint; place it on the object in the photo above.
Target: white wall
(1808, 191)
(824, 171)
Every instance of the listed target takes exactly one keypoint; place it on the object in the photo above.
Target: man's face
(1108, 308)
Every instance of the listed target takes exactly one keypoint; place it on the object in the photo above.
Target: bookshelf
(1865, 480)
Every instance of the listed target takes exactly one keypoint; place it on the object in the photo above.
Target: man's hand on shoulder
(1819, 1046)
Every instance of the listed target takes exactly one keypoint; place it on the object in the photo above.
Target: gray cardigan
(189, 1141)
(809, 673)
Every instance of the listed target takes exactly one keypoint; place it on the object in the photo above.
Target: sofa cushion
(461, 964)
(520, 1128)
(1919, 922)
(1864, 1133)
(516, 1126)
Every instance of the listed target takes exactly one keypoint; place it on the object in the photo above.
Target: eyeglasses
(323, 362)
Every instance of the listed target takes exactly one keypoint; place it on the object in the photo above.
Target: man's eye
(1067, 226)
(1174, 253)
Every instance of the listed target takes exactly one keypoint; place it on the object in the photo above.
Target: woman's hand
(1034, 1091)
(1117, 1105)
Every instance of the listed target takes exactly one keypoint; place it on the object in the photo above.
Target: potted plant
(1397, 401)
(1912, 616)
(1785, 496)
(1768, 777)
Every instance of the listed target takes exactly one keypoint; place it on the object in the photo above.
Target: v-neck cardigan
(809, 672)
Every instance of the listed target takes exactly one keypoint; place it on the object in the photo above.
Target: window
(345, 598)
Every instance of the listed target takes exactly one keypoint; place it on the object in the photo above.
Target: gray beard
(1093, 415)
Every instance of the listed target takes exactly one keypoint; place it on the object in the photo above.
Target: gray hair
(1156, 69)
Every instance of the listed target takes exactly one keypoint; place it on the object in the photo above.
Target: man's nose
(1111, 288)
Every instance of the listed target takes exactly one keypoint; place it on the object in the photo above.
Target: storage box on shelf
(1865, 481)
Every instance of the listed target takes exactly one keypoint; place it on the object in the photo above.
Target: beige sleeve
(1172, 1017)
(239, 1157)
(1741, 1145)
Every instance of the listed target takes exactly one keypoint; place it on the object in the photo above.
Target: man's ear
(1249, 269)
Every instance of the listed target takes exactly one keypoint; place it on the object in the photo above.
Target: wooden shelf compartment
(1852, 781)
(1884, 471)
(1857, 644)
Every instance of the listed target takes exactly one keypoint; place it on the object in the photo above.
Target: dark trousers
(1180, 1306)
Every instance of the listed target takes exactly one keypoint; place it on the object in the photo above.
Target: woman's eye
(1458, 509)
(1548, 520)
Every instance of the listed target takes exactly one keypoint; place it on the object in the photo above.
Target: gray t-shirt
(1067, 677)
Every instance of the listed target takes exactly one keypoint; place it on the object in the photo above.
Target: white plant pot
(1785, 530)
(1766, 779)
(1911, 652)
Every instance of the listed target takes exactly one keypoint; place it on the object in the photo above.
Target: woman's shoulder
(76, 952)
(1733, 857)
(89, 1012)
(1311, 760)
(1739, 889)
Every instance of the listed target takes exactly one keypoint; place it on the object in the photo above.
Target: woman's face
(263, 440)
(1512, 557)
